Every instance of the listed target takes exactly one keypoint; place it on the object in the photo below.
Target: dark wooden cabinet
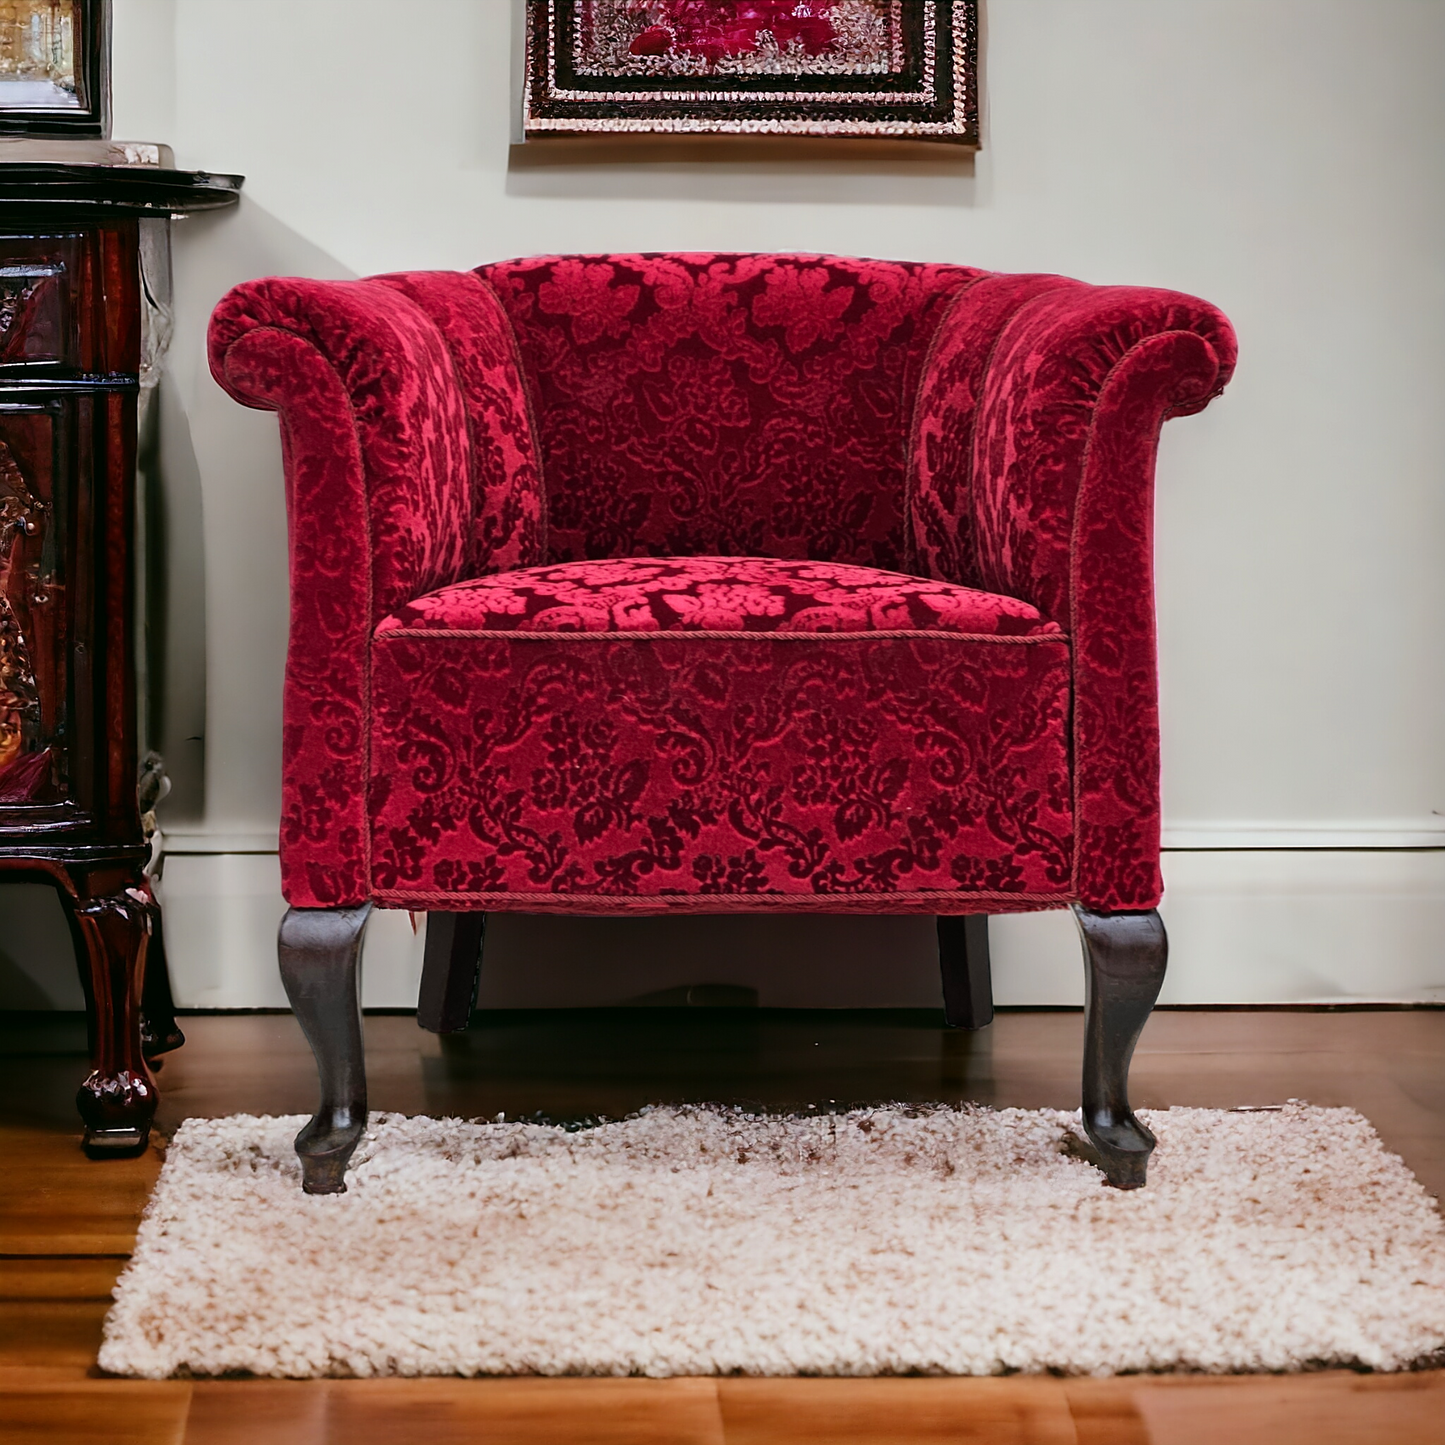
(71, 326)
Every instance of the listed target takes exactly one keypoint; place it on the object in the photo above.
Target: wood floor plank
(59, 1212)
(54, 1334)
(450, 1412)
(39, 1277)
(94, 1412)
(56, 1201)
(258, 1412)
(524, 1412)
(895, 1412)
(1104, 1412)
(1333, 1409)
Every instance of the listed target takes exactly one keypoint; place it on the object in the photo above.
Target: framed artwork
(904, 69)
(55, 67)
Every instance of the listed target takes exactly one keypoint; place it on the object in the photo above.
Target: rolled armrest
(374, 430)
(1078, 384)
(379, 497)
(1043, 402)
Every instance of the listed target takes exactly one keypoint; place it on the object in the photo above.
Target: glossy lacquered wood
(57, 190)
(68, 394)
(71, 304)
(70, 296)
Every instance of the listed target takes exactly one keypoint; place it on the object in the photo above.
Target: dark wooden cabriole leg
(1124, 955)
(320, 956)
(451, 971)
(963, 961)
(118, 1099)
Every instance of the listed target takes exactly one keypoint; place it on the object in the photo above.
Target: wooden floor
(67, 1224)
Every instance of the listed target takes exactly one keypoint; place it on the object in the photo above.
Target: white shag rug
(708, 1241)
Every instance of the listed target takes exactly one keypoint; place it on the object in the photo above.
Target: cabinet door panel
(35, 313)
(69, 304)
(67, 695)
(36, 520)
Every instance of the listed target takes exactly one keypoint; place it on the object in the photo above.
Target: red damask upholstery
(712, 582)
(727, 594)
(700, 405)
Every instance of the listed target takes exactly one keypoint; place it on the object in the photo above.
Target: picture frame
(55, 68)
(875, 69)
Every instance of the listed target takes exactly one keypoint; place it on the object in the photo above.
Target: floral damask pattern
(941, 450)
(1066, 429)
(731, 594)
(508, 514)
(379, 496)
(769, 431)
(714, 404)
(890, 773)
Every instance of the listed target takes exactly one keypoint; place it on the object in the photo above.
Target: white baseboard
(1356, 833)
(1262, 926)
(1245, 925)
(221, 913)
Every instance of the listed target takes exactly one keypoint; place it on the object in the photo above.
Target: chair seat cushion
(712, 733)
(714, 594)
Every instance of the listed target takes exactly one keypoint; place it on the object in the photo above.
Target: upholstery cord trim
(711, 635)
(677, 902)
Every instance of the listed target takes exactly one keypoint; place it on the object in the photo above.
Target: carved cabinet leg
(451, 971)
(1125, 955)
(320, 956)
(963, 961)
(118, 1099)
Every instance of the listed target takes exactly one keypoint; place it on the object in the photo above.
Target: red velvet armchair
(708, 583)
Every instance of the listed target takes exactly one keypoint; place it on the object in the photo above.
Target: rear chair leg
(320, 953)
(159, 1032)
(1124, 955)
(450, 971)
(963, 961)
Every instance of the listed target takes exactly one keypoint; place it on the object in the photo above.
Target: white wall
(1279, 157)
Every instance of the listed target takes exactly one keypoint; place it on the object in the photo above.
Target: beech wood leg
(451, 970)
(159, 1032)
(963, 961)
(118, 1099)
(320, 955)
(1125, 955)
